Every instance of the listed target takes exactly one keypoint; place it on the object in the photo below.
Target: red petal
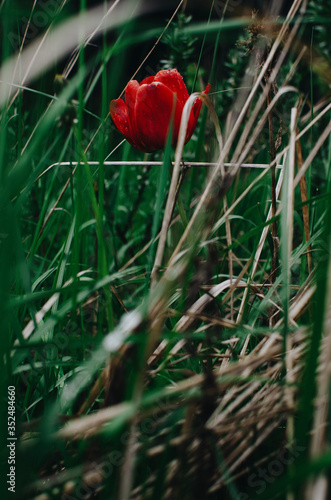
(148, 80)
(120, 116)
(131, 93)
(194, 115)
(154, 105)
(174, 81)
(130, 100)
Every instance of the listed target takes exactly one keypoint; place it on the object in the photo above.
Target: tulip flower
(144, 118)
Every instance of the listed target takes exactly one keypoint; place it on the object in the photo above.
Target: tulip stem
(181, 210)
(178, 198)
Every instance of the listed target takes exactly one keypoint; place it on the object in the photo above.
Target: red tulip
(144, 117)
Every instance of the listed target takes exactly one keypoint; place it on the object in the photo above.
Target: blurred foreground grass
(214, 382)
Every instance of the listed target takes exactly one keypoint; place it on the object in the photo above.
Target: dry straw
(252, 394)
